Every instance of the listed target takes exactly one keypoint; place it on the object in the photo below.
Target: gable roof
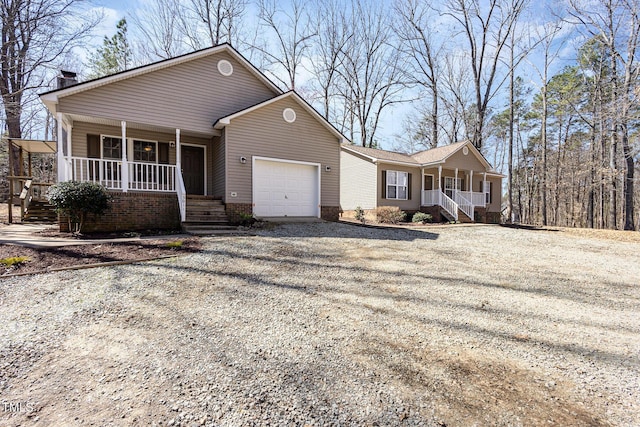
(433, 156)
(376, 155)
(51, 97)
(224, 121)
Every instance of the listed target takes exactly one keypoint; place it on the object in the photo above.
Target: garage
(284, 188)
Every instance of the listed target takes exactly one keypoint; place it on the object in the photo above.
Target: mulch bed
(67, 256)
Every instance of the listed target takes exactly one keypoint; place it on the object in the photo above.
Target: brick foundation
(434, 211)
(330, 213)
(135, 211)
(235, 209)
(481, 215)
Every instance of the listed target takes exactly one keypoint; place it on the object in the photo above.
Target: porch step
(205, 210)
(40, 212)
(463, 218)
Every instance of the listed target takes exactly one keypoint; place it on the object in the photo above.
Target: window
(145, 151)
(487, 192)
(451, 184)
(397, 185)
(111, 147)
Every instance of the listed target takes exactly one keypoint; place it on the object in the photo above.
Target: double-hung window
(397, 185)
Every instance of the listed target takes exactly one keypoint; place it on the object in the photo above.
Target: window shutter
(490, 192)
(93, 146)
(409, 186)
(163, 153)
(384, 184)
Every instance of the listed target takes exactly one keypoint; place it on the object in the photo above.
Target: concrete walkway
(28, 235)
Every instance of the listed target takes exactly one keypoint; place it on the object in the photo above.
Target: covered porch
(135, 157)
(452, 190)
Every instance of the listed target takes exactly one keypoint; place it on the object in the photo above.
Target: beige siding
(357, 182)
(462, 162)
(496, 197)
(416, 186)
(191, 95)
(219, 167)
(264, 133)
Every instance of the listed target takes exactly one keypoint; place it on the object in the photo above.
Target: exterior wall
(219, 167)
(358, 182)
(462, 162)
(191, 95)
(135, 211)
(496, 197)
(264, 133)
(235, 209)
(416, 187)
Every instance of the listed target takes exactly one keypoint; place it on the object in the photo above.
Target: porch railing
(142, 176)
(476, 199)
(438, 198)
(182, 196)
(463, 203)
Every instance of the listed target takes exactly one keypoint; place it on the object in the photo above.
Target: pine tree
(114, 55)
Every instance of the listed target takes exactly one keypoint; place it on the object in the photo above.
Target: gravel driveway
(333, 324)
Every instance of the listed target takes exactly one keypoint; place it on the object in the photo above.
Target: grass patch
(14, 260)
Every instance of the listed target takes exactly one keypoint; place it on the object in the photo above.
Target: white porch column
(471, 182)
(69, 153)
(62, 166)
(440, 177)
(422, 186)
(178, 152)
(125, 164)
(455, 181)
(484, 187)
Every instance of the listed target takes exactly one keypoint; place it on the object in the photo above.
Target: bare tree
(372, 70)
(36, 34)
(160, 29)
(420, 42)
(219, 20)
(292, 31)
(487, 28)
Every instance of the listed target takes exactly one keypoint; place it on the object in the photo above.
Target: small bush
(176, 244)
(360, 215)
(390, 214)
(76, 199)
(246, 220)
(15, 260)
(422, 217)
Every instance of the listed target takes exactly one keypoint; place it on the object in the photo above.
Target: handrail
(449, 205)
(181, 191)
(476, 199)
(464, 204)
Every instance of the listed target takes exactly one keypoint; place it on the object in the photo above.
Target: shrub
(176, 244)
(390, 214)
(422, 217)
(246, 220)
(360, 214)
(77, 199)
(15, 260)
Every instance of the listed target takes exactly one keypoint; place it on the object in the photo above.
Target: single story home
(454, 181)
(200, 138)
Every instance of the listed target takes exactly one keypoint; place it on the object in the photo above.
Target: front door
(193, 169)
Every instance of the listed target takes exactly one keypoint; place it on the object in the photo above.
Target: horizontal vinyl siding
(416, 187)
(191, 95)
(219, 167)
(358, 184)
(264, 133)
(496, 197)
(462, 162)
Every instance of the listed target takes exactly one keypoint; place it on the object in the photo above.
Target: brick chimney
(66, 79)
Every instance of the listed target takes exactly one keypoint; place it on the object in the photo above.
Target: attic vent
(289, 115)
(225, 67)
(465, 150)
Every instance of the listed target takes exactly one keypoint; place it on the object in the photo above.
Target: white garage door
(285, 189)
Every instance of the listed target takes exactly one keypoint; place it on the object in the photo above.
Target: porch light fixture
(327, 168)
(243, 160)
(148, 148)
(172, 144)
